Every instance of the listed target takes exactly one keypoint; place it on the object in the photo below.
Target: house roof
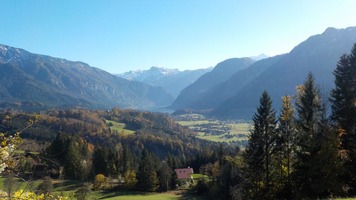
(184, 173)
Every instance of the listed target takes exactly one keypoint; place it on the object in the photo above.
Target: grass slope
(119, 127)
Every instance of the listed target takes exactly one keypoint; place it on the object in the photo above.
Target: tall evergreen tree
(343, 98)
(309, 111)
(317, 153)
(100, 161)
(73, 161)
(126, 160)
(309, 108)
(258, 155)
(165, 175)
(146, 175)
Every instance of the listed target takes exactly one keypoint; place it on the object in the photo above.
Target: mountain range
(30, 81)
(172, 80)
(231, 90)
(238, 95)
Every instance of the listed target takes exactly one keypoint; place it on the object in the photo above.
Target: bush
(101, 182)
(202, 187)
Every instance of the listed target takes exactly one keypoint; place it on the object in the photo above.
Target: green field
(137, 195)
(199, 176)
(67, 188)
(119, 127)
(192, 123)
(218, 131)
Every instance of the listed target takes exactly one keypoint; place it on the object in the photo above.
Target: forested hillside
(100, 130)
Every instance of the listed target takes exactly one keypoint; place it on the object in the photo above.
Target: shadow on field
(110, 194)
(191, 196)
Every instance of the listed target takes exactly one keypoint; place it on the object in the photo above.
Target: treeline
(80, 144)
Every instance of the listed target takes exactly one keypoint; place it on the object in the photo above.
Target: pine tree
(73, 161)
(146, 175)
(309, 111)
(258, 155)
(100, 163)
(343, 98)
(165, 176)
(318, 157)
(309, 108)
(126, 159)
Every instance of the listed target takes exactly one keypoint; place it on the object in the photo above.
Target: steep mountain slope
(27, 77)
(190, 97)
(318, 54)
(221, 92)
(172, 80)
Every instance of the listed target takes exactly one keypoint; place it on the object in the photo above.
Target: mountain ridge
(60, 82)
(190, 95)
(318, 54)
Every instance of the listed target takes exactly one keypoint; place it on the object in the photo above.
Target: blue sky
(119, 36)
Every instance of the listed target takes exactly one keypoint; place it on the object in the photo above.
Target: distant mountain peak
(259, 57)
(332, 30)
(164, 71)
(173, 80)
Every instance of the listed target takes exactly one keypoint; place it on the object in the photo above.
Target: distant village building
(184, 174)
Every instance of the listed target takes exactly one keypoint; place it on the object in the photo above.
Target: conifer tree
(100, 158)
(343, 96)
(309, 111)
(165, 176)
(258, 155)
(343, 99)
(146, 175)
(318, 159)
(72, 161)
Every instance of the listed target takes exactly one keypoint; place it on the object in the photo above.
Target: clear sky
(119, 36)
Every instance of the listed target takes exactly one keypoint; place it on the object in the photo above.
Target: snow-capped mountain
(173, 80)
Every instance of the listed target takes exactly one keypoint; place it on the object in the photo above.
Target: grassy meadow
(217, 131)
(67, 188)
(119, 127)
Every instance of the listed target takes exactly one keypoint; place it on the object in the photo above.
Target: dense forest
(299, 152)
